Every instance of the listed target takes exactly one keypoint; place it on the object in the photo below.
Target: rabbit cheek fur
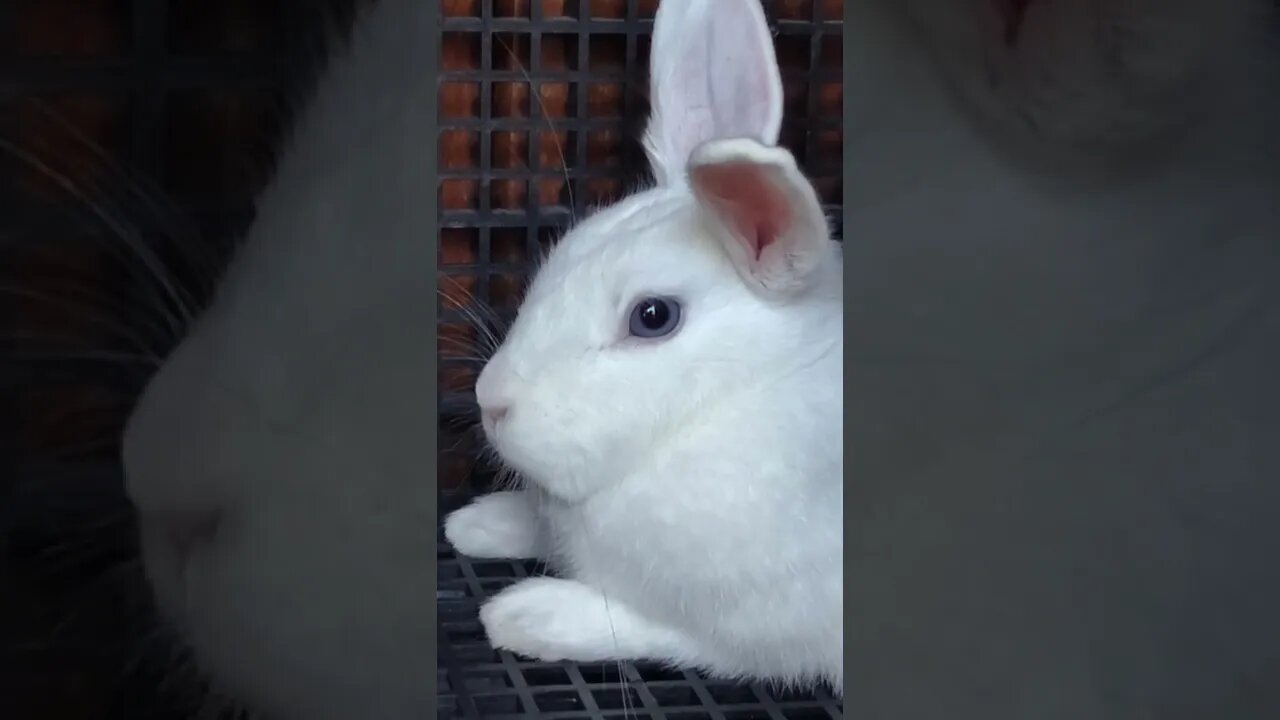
(688, 487)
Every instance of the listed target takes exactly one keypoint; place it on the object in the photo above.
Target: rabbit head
(654, 307)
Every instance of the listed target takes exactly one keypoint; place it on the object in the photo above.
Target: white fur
(696, 482)
(499, 525)
(693, 486)
(705, 83)
(555, 619)
(298, 402)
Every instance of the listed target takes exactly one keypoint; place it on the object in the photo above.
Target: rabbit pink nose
(493, 415)
(184, 530)
(493, 397)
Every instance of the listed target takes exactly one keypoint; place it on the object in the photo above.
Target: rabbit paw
(498, 525)
(550, 619)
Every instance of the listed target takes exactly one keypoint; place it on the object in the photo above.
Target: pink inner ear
(753, 206)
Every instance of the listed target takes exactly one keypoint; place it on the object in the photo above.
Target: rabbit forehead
(631, 217)
(635, 243)
(579, 298)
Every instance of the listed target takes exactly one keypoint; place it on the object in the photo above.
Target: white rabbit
(672, 389)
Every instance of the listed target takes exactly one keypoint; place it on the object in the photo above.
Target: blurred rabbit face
(635, 322)
(277, 461)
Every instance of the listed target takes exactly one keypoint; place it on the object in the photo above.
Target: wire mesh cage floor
(476, 681)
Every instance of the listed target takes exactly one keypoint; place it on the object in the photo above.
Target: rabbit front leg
(550, 619)
(497, 525)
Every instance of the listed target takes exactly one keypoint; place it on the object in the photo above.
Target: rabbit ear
(764, 211)
(713, 75)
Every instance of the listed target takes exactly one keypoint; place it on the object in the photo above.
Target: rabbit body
(690, 490)
(692, 499)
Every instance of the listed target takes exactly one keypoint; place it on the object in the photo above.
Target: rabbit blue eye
(654, 317)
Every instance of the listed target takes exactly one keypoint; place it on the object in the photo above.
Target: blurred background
(133, 135)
